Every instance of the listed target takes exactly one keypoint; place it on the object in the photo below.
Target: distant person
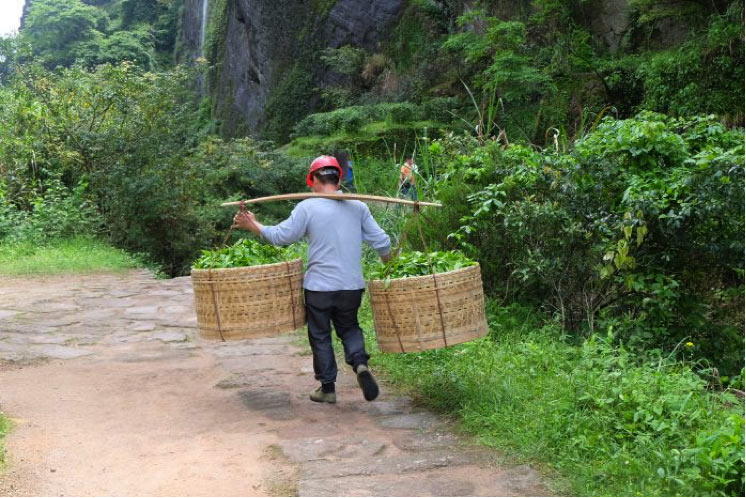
(408, 179)
(348, 179)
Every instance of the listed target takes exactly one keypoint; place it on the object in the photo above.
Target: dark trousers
(339, 307)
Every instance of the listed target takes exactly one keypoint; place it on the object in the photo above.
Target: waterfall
(203, 29)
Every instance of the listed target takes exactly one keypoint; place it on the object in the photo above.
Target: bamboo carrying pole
(341, 197)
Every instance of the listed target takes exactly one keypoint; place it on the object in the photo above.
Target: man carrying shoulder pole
(333, 281)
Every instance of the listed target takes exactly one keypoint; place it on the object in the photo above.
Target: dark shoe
(320, 396)
(367, 383)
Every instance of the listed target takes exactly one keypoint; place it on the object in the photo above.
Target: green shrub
(403, 112)
(351, 119)
(635, 226)
(441, 108)
(703, 74)
(55, 212)
(121, 150)
(609, 421)
(330, 123)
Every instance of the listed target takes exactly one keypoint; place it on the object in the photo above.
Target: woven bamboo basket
(249, 302)
(428, 312)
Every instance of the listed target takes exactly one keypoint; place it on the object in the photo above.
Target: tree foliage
(127, 143)
(62, 32)
(640, 225)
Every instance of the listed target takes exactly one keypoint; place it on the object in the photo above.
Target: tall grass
(601, 420)
(60, 256)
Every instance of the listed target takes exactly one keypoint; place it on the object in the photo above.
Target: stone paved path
(113, 393)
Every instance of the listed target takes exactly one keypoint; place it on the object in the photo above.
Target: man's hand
(247, 221)
(385, 258)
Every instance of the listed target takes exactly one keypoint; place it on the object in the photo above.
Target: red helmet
(322, 162)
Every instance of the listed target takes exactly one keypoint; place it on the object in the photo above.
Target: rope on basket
(242, 207)
(395, 254)
(416, 219)
(292, 293)
(215, 303)
(435, 282)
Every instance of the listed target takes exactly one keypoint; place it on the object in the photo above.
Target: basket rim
(428, 276)
(244, 268)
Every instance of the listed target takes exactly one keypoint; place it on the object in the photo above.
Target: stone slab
(169, 336)
(164, 292)
(123, 293)
(47, 306)
(314, 448)
(520, 481)
(238, 348)
(59, 352)
(143, 326)
(382, 408)
(399, 464)
(141, 310)
(425, 441)
(43, 339)
(239, 380)
(180, 322)
(107, 302)
(7, 314)
(57, 322)
(178, 309)
(275, 405)
(96, 316)
(408, 421)
(7, 347)
(386, 485)
(161, 354)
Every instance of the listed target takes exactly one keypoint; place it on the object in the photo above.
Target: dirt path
(112, 394)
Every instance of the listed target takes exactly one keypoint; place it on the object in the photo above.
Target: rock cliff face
(259, 40)
(360, 22)
(259, 49)
(190, 30)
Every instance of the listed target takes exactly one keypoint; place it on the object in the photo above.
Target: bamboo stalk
(313, 195)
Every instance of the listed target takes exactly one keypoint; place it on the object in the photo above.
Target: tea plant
(245, 252)
(416, 263)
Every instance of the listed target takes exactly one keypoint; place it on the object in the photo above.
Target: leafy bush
(245, 252)
(703, 74)
(350, 119)
(124, 147)
(635, 227)
(441, 108)
(54, 213)
(402, 112)
(330, 123)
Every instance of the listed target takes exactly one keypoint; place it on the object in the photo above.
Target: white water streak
(203, 30)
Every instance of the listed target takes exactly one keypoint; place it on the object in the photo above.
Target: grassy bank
(73, 255)
(601, 420)
(5, 426)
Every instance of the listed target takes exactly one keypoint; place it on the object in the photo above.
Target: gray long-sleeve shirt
(335, 232)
